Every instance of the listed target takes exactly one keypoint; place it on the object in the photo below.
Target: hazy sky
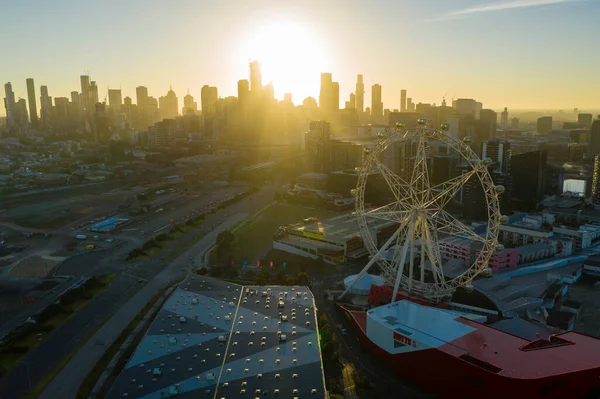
(515, 53)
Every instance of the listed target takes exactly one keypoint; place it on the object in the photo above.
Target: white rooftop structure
(363, 286)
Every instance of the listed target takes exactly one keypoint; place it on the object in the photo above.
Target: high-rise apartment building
(141, 99)
(499, 152)
(402, 100)
(514, 123)
(22, 120)
(360, 94)
(544, 124)
(376, 103)
(33, 114)
(93, 96)
(596, 180)
(410, 106)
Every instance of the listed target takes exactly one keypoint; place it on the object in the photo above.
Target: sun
(292, 58)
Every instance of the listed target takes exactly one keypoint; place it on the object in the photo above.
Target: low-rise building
(581, 238)
(534, 252)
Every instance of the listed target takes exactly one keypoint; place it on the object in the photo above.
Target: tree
(302, 278)
(263, 277)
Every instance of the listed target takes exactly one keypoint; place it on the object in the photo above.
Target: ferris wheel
(411, 259)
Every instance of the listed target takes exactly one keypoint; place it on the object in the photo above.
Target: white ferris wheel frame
(418, 209)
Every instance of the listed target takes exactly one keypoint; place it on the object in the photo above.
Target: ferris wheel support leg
(403, 259)
(374, 258)
(412, 258)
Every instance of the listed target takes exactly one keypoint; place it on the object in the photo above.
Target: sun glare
(291, 56)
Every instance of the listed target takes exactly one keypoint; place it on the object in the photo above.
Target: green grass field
(255, 238)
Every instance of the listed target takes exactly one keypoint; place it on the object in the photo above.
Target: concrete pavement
(67, 382)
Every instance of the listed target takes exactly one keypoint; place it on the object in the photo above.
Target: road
(125, 287)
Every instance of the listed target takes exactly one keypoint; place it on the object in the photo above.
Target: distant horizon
(524, 55)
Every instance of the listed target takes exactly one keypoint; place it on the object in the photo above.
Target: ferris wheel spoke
(444, 192)
(420, 175)
(399, 188)
(448, 224)
(433, 253)
(394, 212)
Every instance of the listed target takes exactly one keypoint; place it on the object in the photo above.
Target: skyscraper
(466, 106)
(596, 180)
(351, 103)
(514, 123)
(255, 77)
(85, 94)
(504, 119)
(527, 175)
(585, 120)
(115, 100)
(46, 108)
(243, 93)
(376, 104)
(499, 152)
(325, 95)
(360, 94)
(169, 108)
(208, 99)
(93, 96)
(287, 98)
(33, 115)
(402, 100)
(141, 98)
(10, 105)
(190, 107)
(595, 137)
(544, 124)
(335, 96)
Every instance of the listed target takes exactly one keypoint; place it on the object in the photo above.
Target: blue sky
(515, 53)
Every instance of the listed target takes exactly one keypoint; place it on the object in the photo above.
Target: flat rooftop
(214, 339)
(501, 351)
(338, 228)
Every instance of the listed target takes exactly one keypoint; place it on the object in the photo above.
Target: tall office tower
(10, 105)
(310, 108)
(127, 101)
(21, 118)
(115, 99)
(352, 102)
(287, 98)
(325, 95)
(255, 77)
(410, 106)
(402, 100)
(93, 96)
(317, 147)
(33, 114)
(45, 108)
(75, 107)
(504, 119)
(376, 104)
(544, 124)
(190, 107)
(514, 123)
(527, 175)
(335, 96)
(478, 108)
(169, 105)
(85, 94)
(360, 94)
(499, 152)
(466, 106)
(208, 99)
(596, 180)
(488, 121)
(141, 99)
(269, 92)
(594, 148)
(585, 120)
(243, 93)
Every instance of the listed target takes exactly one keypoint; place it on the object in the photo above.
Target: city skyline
(296, 43)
